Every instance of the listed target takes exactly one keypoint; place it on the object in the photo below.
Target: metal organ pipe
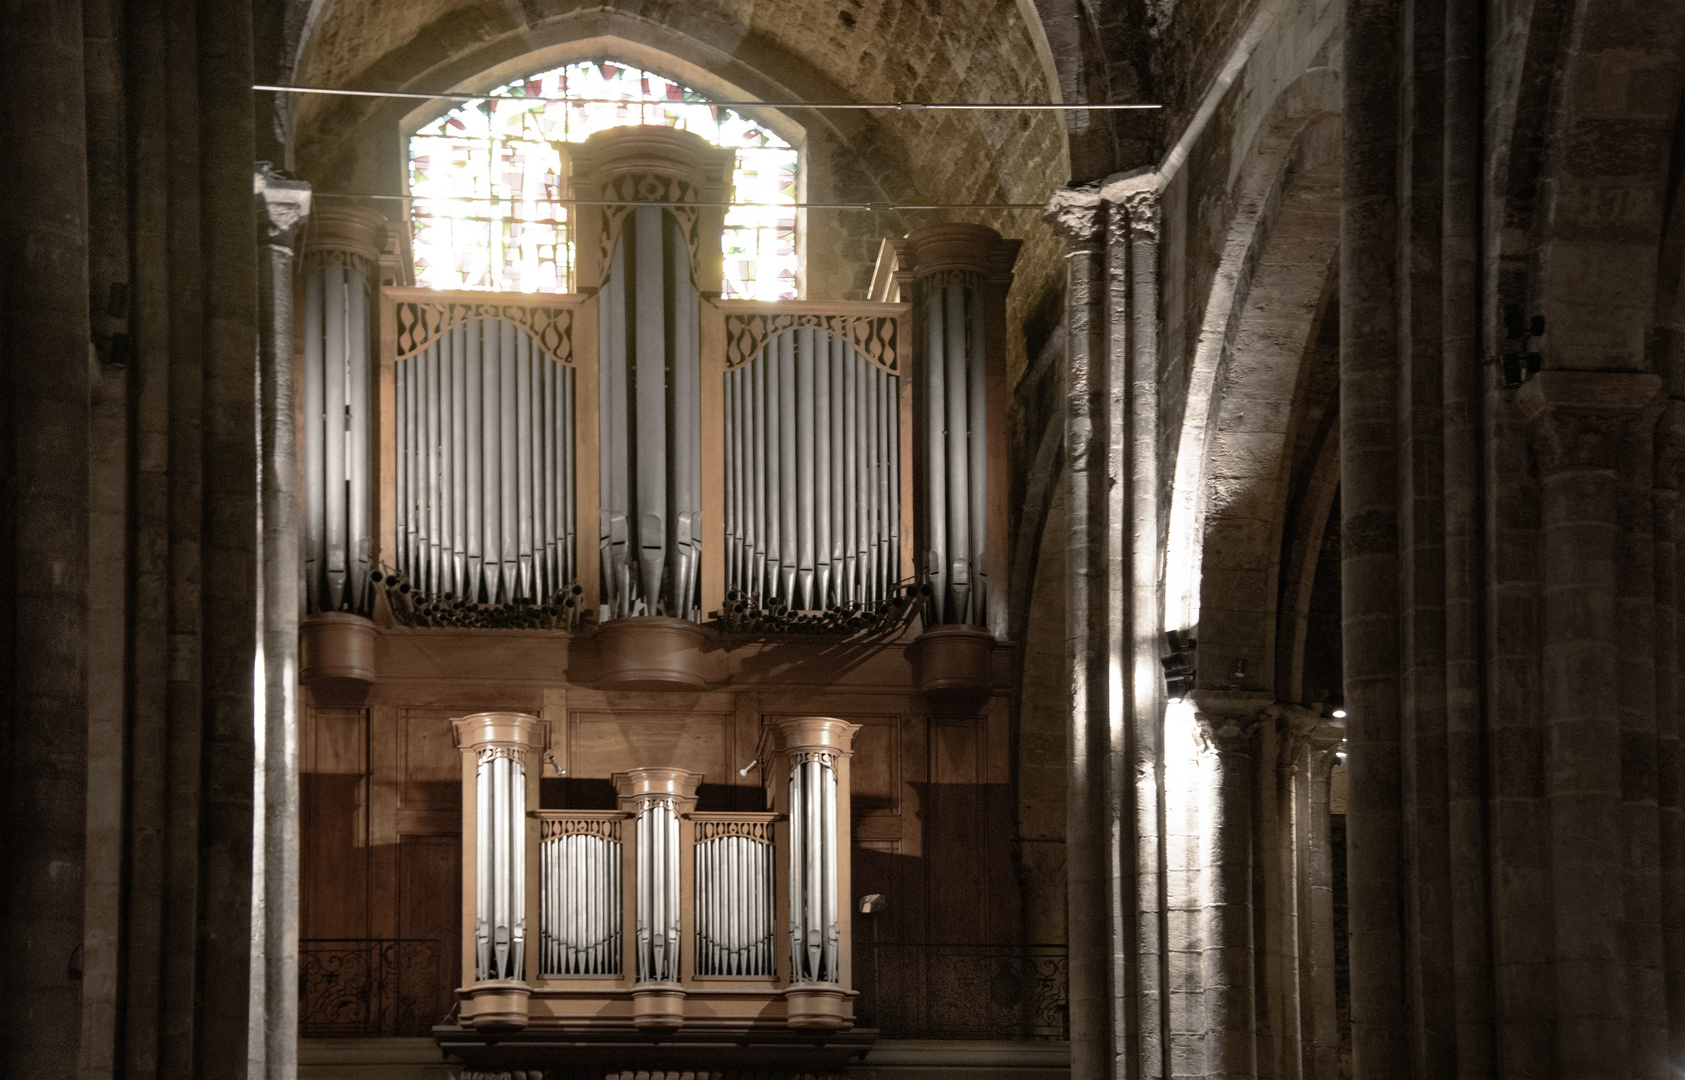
(816, 441)
(956, 445)
(338, 519)
(650, 402)
(500, 884)
(485, 443)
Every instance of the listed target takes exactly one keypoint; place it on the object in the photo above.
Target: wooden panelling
(334, 819)
(431, 767)
(601, 743)
(430, 910)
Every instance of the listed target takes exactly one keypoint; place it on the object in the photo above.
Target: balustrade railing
(369, 986)
(926, 991)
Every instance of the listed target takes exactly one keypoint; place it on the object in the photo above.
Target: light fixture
(1178, 664)
(1339, 714)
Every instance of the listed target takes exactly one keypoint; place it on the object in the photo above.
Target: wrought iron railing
(368, 986)
(921, 991)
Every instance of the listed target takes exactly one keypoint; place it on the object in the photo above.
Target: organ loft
(852, 540)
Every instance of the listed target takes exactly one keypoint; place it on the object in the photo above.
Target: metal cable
(904, 106)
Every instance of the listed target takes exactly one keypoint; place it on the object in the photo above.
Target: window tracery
(488, 181)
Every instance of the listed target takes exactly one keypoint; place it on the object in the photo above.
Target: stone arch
(1229, 493)
(801, 50)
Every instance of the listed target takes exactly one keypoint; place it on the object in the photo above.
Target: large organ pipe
(340, 257)
(509, 468)
(523, 470)
(815, 752)
(804, 481)
(474, 453)
(936, 455)
(335, 379)
(961, 273)
(459, 459)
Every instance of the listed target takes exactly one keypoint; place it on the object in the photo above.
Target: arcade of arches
(1109, 593)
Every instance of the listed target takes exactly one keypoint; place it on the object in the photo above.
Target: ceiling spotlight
(1339, 714)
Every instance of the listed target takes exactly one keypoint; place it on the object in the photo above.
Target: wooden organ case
(620, 805)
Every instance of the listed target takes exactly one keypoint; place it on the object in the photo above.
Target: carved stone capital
(282, 206)
(1581, 419)
(1229, 719)
(1136, 195)
(1298, 728)
(1670, 446)
(1076, 212)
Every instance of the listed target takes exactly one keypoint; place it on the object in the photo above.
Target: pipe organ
(702, 891)
(813, 474)
(821, 461)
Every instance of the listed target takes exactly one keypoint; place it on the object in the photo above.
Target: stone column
(1090, 860)
(44, 416)
(1369, 531)
(1580, 420)
(1115, 820)
(1229, 722)
(1317, 991)
(282, 205)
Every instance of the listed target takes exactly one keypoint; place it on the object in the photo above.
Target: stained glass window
(487, 182)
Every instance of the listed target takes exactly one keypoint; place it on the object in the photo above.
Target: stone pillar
(1115, 821)
(1369, 531)
(44, 416)
(1229, 722)
(282, 205)
(1580, 421)
(1320, 1040)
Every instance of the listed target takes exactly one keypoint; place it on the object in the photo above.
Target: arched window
(486, 178)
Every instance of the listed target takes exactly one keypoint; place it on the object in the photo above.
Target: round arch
(1235, 447)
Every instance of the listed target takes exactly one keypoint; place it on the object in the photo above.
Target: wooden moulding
(951, 665)
(498, 1004)
(651, 653)
(658, 1005)
(335, 646)
(818, 1005)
